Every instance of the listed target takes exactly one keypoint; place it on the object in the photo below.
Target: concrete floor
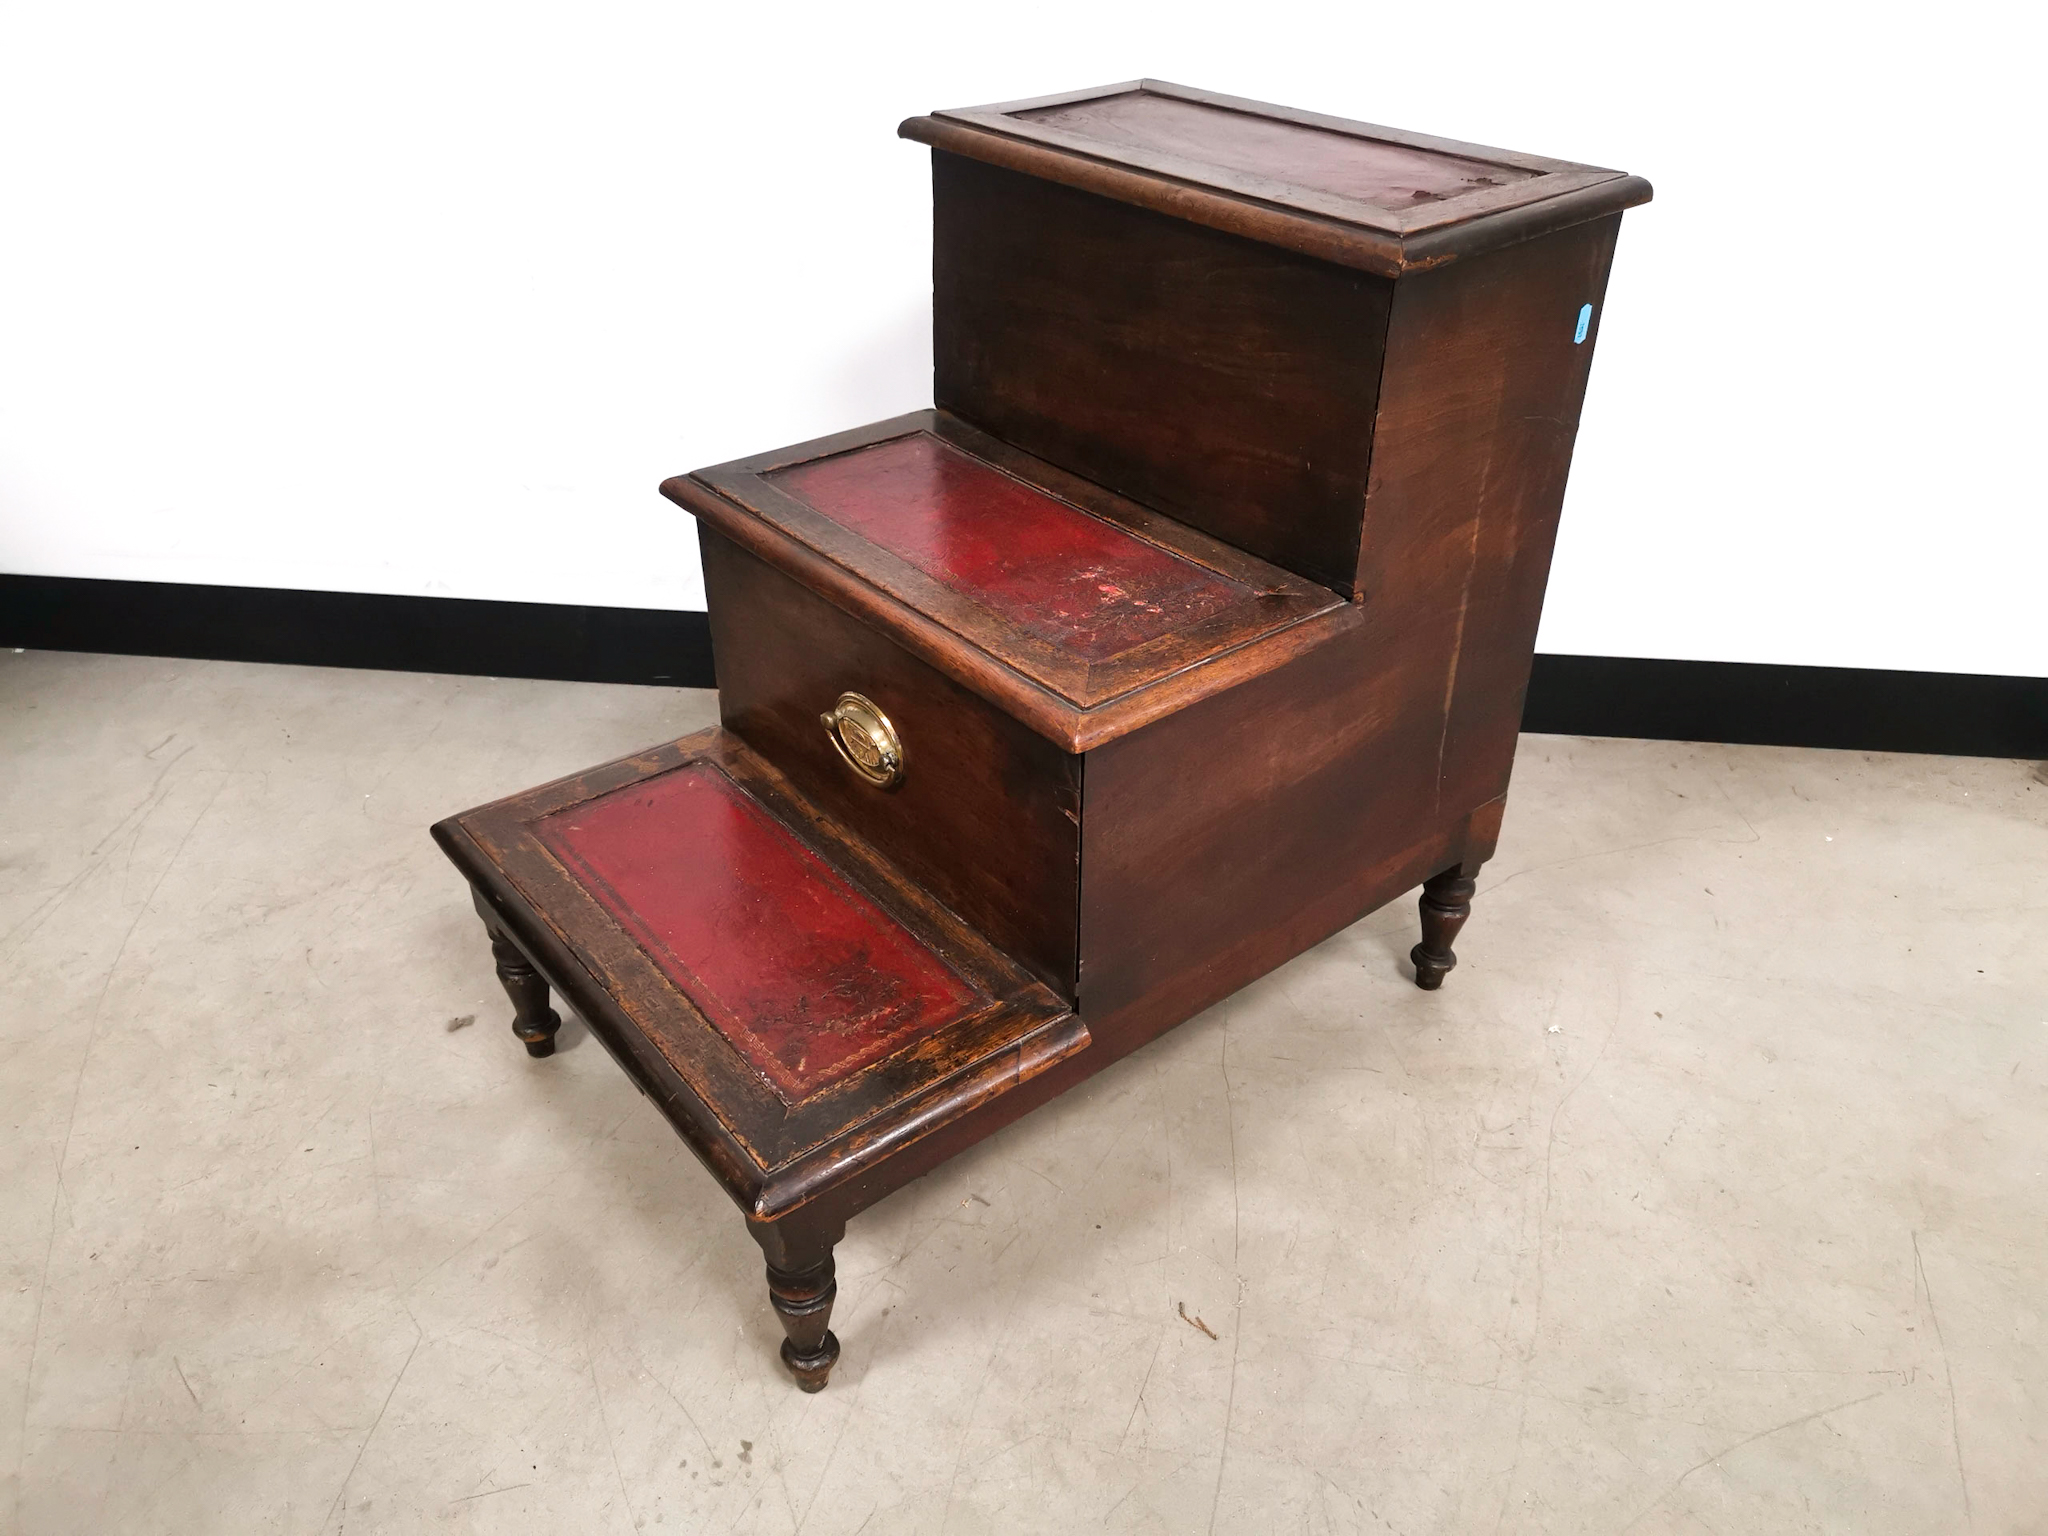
(1711, 1193)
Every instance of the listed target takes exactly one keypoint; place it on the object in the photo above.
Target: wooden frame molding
(1544, 195)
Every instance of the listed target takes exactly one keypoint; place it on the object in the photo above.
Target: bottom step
(797, 1009)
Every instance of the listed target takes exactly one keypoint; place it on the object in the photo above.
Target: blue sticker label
(1585, 323)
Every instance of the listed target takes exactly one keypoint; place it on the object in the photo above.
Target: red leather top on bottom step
(806, 976)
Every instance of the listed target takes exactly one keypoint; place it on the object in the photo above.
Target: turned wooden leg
(801, 1287)
(803, 1299)
(532, 1019)
(1446, 903)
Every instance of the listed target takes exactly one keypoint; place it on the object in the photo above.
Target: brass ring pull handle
(864, 738)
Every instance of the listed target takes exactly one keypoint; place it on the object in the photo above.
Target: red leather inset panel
(1076, 581)
(807, 977)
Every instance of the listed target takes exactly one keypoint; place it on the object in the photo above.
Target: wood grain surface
(1351, 164)
(1226, 383)
(987, 816)
(1359, 195)
(772, 1156)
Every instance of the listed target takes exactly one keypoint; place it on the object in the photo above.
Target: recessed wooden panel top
(806, 977)
(1073, 580)
(1358, 194)
(1397, 177)
(1069, 588)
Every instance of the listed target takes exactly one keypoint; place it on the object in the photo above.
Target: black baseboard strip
(1958, 713)
(357, 629)
(1844, 707)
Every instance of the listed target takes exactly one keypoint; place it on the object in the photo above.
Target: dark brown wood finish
(770, 1154)
(1243, 174)
(1116, 1032)
(1485, 385)
(1264, 801)
(988, 814)
(803, 1300)
(1202, 607)
(802, 1287)
(534, 1023)
(1446, 903)
(1339, 170)
(1256, 817)
(1271, 599)
(1072, 727)
(1229, 383)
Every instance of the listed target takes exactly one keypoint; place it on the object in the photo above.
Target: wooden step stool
(1191, 626)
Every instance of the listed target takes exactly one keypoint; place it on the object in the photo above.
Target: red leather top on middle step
(807, 978)
(1074, 580)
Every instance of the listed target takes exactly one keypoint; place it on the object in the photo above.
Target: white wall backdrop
(426, 297)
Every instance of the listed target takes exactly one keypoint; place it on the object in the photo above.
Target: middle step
(1005, 616)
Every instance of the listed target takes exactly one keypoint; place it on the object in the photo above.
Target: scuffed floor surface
(1710, 1194)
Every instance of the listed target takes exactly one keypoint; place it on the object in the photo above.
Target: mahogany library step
(1190, 625)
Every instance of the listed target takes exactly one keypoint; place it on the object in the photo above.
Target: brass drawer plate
(865, 740)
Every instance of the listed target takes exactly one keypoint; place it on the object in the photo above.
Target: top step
(1378, 199)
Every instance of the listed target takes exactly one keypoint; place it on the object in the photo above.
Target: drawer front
(986, 814)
